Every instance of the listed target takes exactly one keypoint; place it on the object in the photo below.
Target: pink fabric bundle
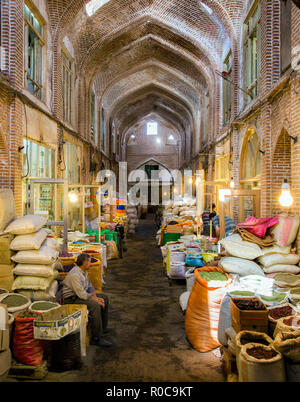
(258, 226)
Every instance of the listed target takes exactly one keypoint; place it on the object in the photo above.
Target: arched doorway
(250, 170)
(281, 168)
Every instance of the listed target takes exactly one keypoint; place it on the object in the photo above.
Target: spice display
(249, 305)
(276, 297)
(242, 293)
(43, 306)
(260, 352)
(14, 300)
(280, 312)
(212, 276)
(292, 322)
(245, 340)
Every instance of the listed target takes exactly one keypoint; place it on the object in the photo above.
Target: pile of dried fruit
(280, 312)
(247, 304)
(260, 352)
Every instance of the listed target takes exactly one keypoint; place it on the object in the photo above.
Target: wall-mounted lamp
(231, 183)
(295, 139)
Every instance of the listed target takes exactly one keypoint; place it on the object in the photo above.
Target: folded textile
(259, 226)
(247, 236)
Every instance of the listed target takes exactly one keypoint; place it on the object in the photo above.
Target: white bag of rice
(26, 224)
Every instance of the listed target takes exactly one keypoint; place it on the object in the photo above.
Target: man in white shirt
(77, 289)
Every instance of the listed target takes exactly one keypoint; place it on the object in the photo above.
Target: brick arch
(151, 49)
(90, 55)
(281, 168)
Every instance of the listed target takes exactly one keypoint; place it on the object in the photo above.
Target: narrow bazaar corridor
(148, 324)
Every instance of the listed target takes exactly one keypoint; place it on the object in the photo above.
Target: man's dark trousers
(98, 316)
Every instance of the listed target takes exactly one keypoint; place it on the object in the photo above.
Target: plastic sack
(288, 344)
(241, 249)
(276, 249)
(260, 370)
(240, 266)
(26, 224)
(28, 241)
(177, 269)
(258, 226)
(26, 349)
(23, 302)
(245, 337)
(44, 256)
(194, 260)
(44, 271)
(7, 209)
(52, 243)
(292, 269)
(286, 230)
(94, 274)
(32, 282)
(282, 326)
(203, 311)
(274, 259)
(190, 279)
(183, 300)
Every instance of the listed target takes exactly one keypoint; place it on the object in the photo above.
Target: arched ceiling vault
(152, 94)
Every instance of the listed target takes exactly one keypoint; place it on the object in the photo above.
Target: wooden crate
(19, 370)
(251, 320)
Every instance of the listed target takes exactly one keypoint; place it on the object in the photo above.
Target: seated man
(77, 289)
(229, 225)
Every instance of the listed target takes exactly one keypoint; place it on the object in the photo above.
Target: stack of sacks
(132, 219)
(7, 215)
(241, 255)
(180, 208)
(35, 256)
(280, 258)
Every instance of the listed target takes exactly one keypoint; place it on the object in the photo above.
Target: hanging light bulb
(191, 181)
(73, 197)
(232, 183)
(285, 199)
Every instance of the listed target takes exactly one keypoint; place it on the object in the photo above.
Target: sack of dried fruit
(288, 344)
(260, 363)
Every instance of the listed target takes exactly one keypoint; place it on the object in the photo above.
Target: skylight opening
(152, 128)
(92, 6)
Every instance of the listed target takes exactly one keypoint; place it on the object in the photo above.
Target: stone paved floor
(149, 324)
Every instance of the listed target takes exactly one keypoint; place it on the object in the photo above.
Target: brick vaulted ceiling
(146, 54)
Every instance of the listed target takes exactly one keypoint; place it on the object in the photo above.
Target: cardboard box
(58, 323)
(6, 281)
(250, 320)
(5, 361)
(6, 269)
(5, 241)
(4, 328)
(5, 256)
(174, 229)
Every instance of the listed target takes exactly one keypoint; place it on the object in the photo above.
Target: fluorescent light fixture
(92, 6)
(205, 8)
(223, 193)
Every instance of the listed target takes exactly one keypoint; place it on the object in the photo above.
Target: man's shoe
(107, 330)
(101, 342)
